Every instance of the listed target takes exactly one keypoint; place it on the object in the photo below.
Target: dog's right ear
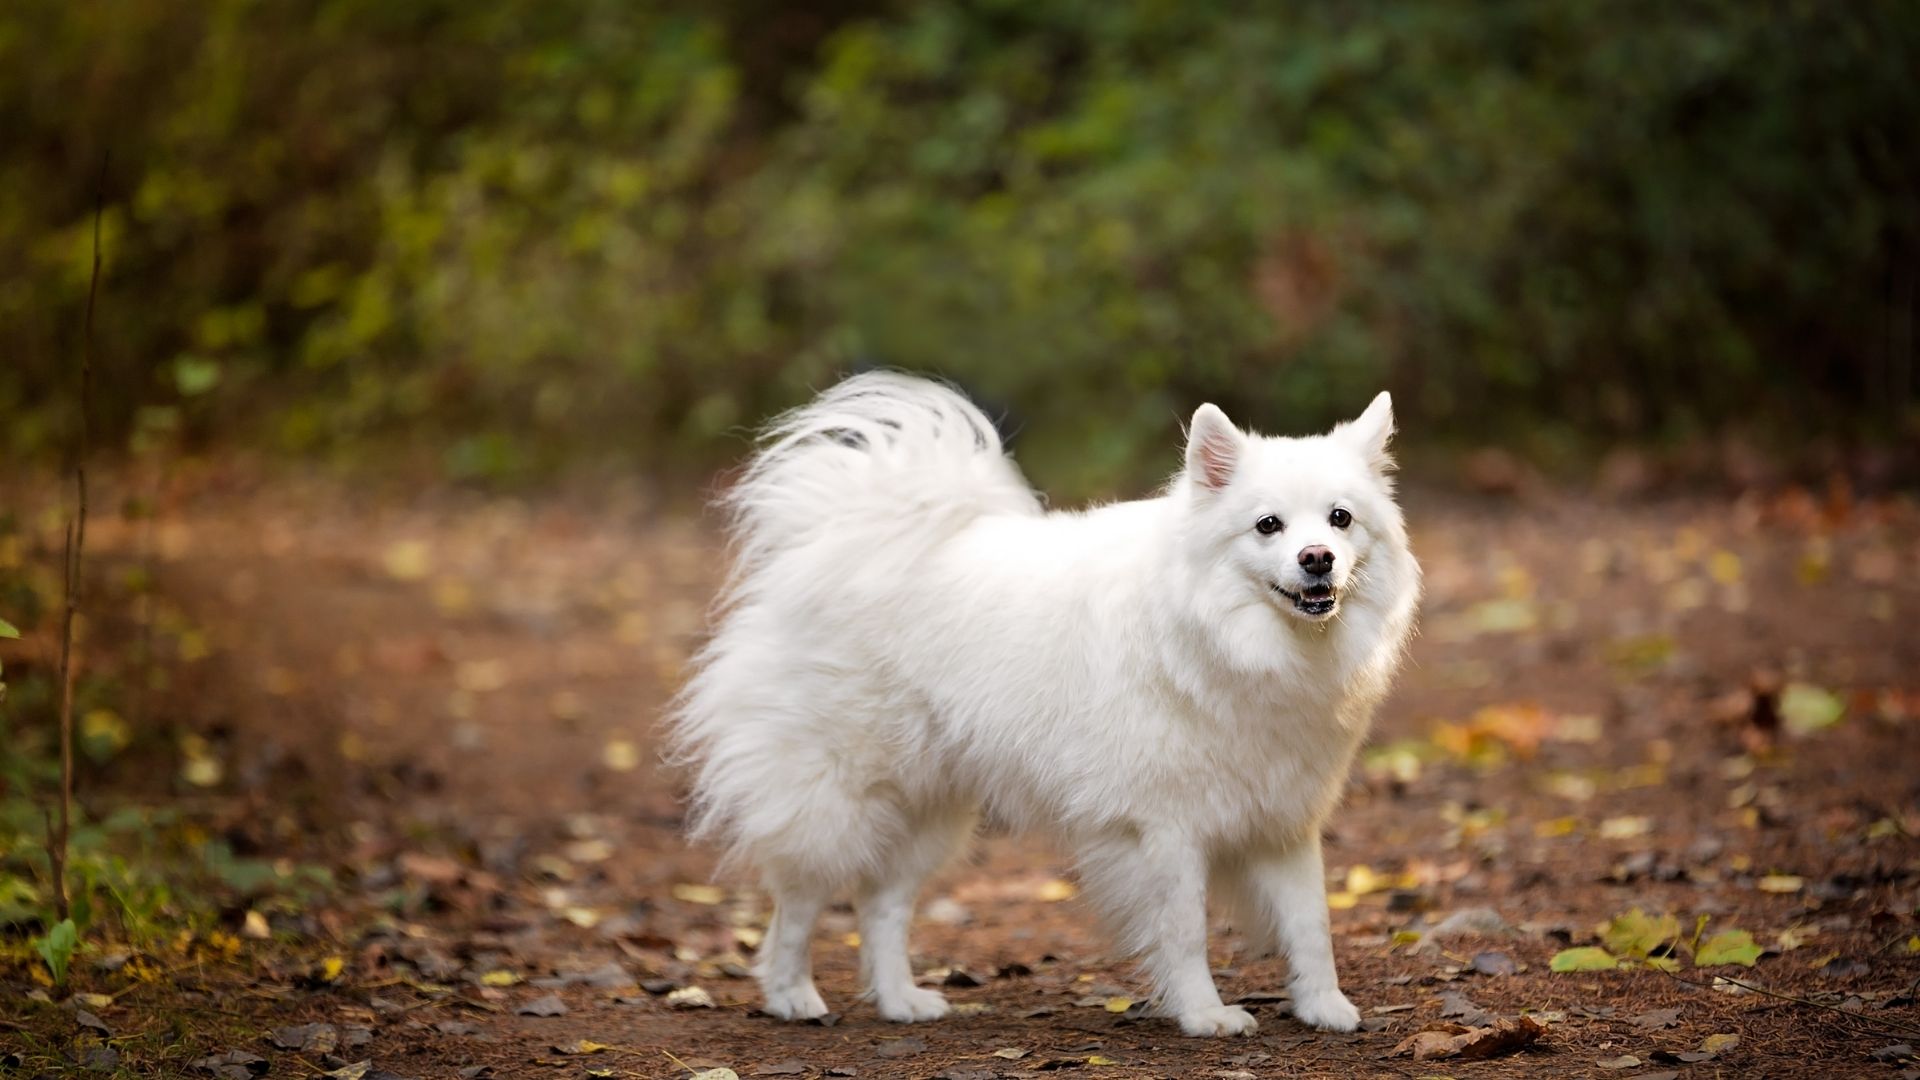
(1214, 447)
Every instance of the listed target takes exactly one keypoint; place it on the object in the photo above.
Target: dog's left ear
(1370, 432)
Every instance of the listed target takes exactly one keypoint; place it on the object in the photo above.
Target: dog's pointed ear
(1370, 432)
(1214, 448)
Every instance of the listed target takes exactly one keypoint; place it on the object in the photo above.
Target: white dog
(1175, 687)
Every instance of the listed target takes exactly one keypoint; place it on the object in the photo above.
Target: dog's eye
(1339, 519)
(1268, 525)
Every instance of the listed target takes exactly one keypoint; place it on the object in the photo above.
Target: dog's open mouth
(1312, 600)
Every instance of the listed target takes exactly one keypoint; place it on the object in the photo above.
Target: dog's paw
(1218, 1020)
(1329, 1010)
(912, 1005)
(795, 1003)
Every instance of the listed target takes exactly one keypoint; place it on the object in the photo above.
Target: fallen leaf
(700, 894)
(408, 560)
(1808, 709)
(499, 978)
(308, 1038)
(232, 1065)
(620, 755)
(1656, 1019)
(689, 997)
(1451, 1040)
(1586, 958)
(1494, 963)
(356, 1071)
(1637, 934)
(1101, 1059)
(1455, 1006)
(581, 1046)
(790, 1067)
(1011, 1053)
(1781, 883)
(1727, 947)
(899, 1048)
(1119, 1004)
(550, 1005)
(1720, 1044)
(1055, 890)
(1625, 828)
(1624, 1061)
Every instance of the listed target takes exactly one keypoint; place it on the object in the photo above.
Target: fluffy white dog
(1175, 687)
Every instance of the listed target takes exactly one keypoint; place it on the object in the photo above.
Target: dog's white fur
(911, 641)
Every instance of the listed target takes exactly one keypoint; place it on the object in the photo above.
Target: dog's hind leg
(785, 964)
(885, 905)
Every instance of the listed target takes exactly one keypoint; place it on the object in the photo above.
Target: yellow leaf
(700, 894)
(1781, 883)
(1101, 1059)
(1793, 937)
(1552, 827)
(330, 969)
(1362, 880)
(1724, 567)
(499, 978)
(1119, 1004)
(1717, 1043)
(620, 755)
(255, 926)
(408, 560)
(1913, 945)
(1056, 890)
(1341, 901)
(1625, 828)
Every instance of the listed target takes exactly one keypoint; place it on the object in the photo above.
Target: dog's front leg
(1153, 887)
(1292, 891)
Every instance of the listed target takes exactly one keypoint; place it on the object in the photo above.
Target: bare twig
(75, 580)
(1894, 1026)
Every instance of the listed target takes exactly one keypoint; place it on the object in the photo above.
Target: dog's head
(1299, 518)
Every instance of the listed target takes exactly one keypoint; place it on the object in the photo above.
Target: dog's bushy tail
(844, 499)
(876, 464)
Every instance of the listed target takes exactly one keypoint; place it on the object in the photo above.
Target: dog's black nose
(1316, 559)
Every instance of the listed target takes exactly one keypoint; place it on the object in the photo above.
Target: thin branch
(1872, 1021)
(75, 578)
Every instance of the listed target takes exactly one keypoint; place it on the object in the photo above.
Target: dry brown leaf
(1451, 1040)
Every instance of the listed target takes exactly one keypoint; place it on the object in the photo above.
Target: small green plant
(56, 947)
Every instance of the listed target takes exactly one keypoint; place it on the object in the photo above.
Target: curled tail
(880, 456)
(845, 497)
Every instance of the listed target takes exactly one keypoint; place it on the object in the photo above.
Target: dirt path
(464, 689)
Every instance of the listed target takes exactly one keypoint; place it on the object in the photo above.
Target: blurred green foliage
(522, 229)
